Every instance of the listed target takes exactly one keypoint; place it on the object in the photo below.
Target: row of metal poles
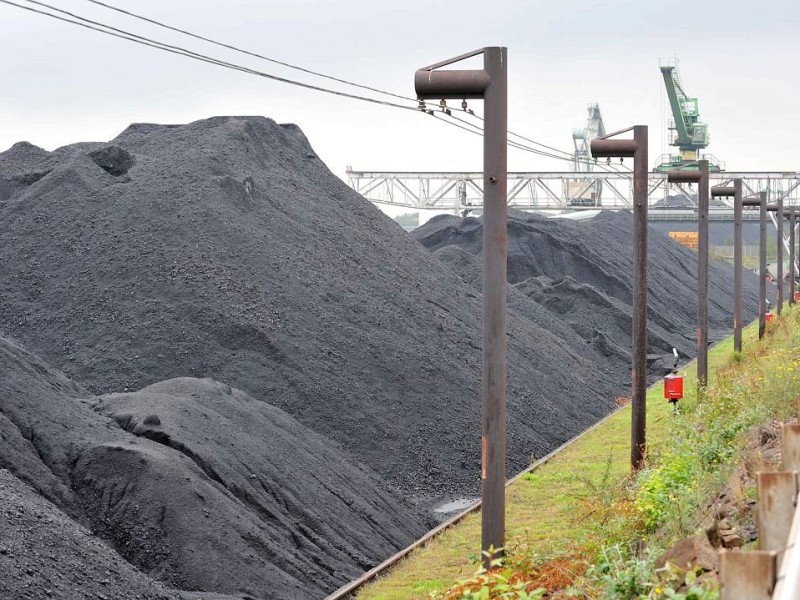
(490, 84)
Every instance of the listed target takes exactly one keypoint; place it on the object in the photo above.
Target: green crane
(690, 133)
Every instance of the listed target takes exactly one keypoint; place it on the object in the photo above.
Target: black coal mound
(579, 273)
(228, 250)
(177, 477)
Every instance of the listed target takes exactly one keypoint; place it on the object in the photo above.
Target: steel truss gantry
(460, 192)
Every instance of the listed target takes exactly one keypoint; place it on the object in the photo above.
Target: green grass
(576, 503)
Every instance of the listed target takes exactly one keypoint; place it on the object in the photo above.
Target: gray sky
(62, 84)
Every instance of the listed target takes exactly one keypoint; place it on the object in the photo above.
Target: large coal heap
(181, 475)
(226, 249)
(579, 273)
(45, 554)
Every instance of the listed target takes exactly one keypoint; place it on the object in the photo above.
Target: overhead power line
(145, 41)
(443, 116)
(247, 52)
(305, 70)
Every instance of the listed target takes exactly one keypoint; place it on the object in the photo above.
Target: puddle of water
(456, 505)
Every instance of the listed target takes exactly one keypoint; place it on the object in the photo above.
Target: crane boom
(690, 133)
(678, 102)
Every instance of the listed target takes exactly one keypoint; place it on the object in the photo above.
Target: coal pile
(45, 554)
(226, 249)
(254, 363)
(578, 272)
(177, 477)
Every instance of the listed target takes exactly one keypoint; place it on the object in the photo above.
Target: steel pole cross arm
(603, 147)
(774, 208)
(613, 148)
(684, 176)
(751, 201)
(429, 82)
(719, 191)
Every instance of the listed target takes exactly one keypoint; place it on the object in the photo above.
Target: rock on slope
(195, 483)
(226, 249)
(578, 273)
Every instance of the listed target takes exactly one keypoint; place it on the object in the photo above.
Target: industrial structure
(687, 132)
(554, 191)
(579, 193)
(587, 184)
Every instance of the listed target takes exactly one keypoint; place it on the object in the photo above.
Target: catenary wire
(248, 52)
(122, 34)
(108, 30)
(567, 156)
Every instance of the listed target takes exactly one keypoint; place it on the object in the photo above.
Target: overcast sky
(62, 84)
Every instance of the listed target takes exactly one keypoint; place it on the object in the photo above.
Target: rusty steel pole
(604, 147)
(736, 193)
(737, 265)
(779, 221)
(639, 371)
(699, 176)
(792, 285)
(702, 277)
(777, 208)
(761, 202)
(762, 263)
(491, 84)
(495, 225)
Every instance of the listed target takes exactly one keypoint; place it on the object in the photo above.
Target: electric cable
(248, 52)
(568, 155)
(132, 37)
(181, 51)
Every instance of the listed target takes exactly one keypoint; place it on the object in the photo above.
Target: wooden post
(776, 496)
(747, 575)
(790, 447)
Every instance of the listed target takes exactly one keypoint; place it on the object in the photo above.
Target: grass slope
(575, 503)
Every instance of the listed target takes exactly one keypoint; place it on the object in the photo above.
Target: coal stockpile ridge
(580, 273)
(194, 483)
(45, 554)
(225, 249)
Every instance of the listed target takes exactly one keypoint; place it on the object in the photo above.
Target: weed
(623, 575)
(500, 581)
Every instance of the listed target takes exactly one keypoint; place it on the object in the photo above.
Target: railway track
(348, 589)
